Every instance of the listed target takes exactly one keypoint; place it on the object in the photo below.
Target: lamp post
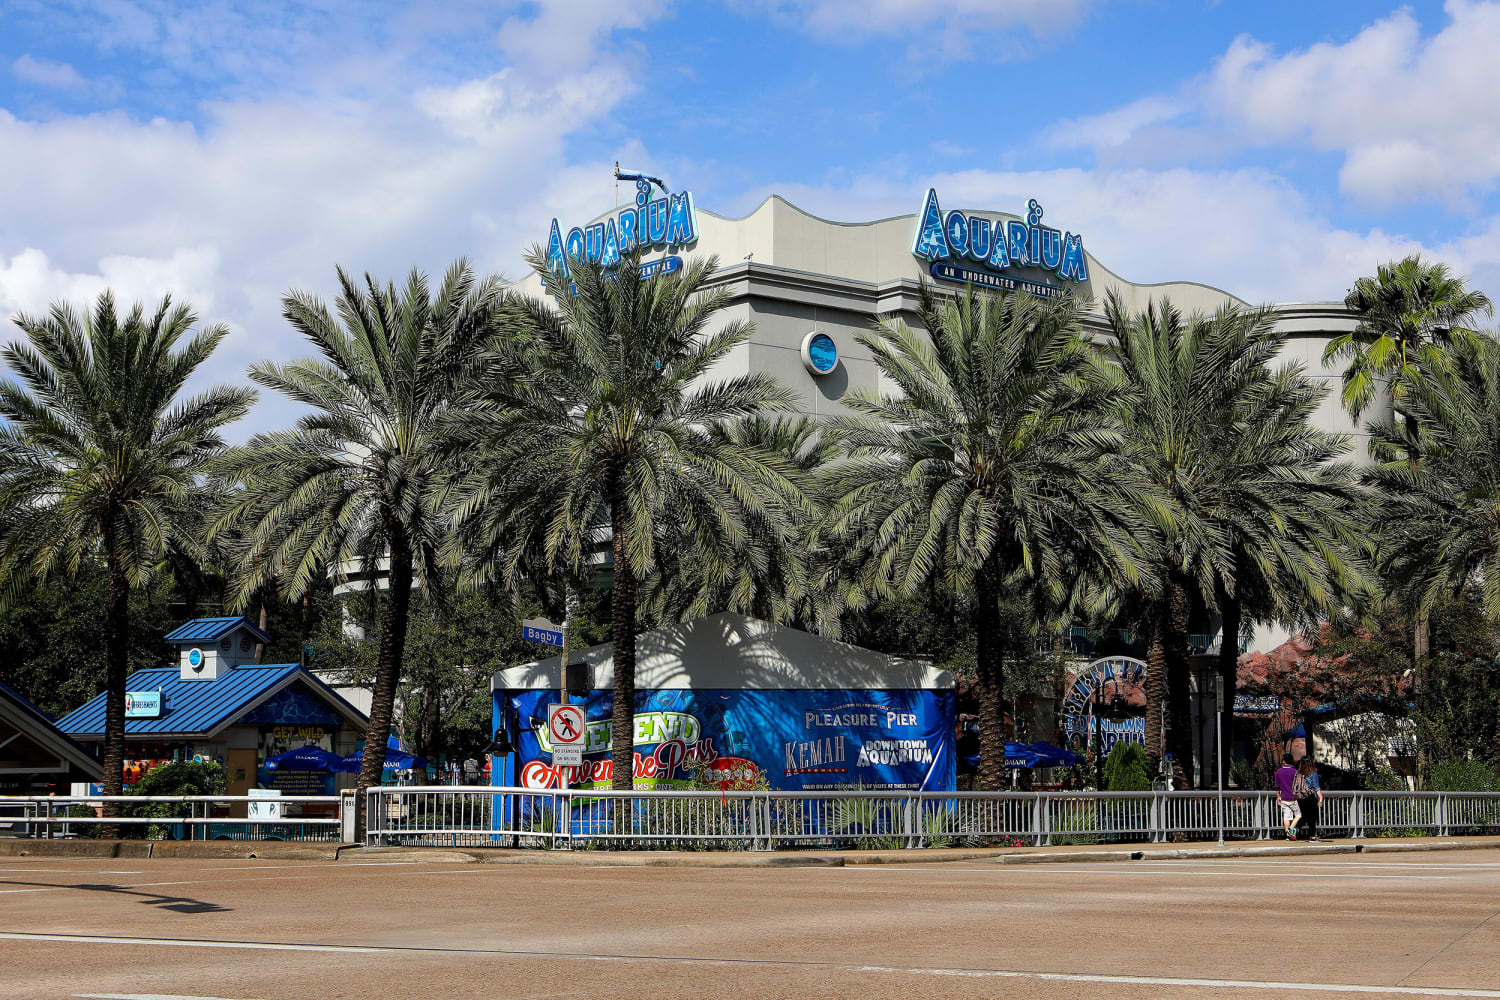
(1098, 740)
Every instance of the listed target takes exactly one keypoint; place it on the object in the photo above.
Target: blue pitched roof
(213, 628)
(200, 708)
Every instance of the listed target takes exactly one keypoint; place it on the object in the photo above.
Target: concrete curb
(1067, 857)
(204, 849)
(1444, 845)
(591, 859)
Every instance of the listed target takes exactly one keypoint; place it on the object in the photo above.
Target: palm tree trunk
(116, 666)
(1230, 610)
(1179, 694)
(387, 671)
(989, 668)
(1421, 638)
(622, 635)
(1156, 693)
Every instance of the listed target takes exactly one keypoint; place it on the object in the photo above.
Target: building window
(225, 645)
(244, 644)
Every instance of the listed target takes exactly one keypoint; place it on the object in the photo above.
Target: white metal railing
(477, 816)
(196, 817)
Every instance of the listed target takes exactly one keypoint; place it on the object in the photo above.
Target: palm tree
(770, 571)
(984, 467)
(357, 481)
(1437, 516)
(1407, 313)
(1291, 513)
(102, 458)
(1404, 311)
(1256, 508)
(603, 430)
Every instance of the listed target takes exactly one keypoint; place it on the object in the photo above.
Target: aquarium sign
(971, 249)
(651, 223)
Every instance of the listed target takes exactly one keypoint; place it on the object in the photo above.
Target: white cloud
(1247, 231)
(269, 192)
(45, 73)
(1415, 117)
(29, 279)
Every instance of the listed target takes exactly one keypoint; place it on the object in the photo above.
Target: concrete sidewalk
(279, 850)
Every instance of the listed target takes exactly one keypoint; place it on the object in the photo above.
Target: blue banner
(800, 740)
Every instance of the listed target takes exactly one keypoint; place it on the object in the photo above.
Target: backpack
(1300, 788)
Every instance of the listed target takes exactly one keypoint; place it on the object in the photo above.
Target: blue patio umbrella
(1028, 755)
(396, 759)
(1021, 755)
(1055, 756)
(308, 758)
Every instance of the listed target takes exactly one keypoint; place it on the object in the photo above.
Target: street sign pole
(562, 666)
(1219, 752)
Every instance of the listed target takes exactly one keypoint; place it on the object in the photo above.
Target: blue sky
(1274, 149)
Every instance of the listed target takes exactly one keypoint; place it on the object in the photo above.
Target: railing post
(1440, 816)
(1357, 816)
(909, 827)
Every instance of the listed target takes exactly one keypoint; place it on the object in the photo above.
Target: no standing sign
(566, 728)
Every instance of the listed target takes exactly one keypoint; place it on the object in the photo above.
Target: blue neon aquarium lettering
(997, 245)
(667, 222)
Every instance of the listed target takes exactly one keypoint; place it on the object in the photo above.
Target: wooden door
(242, 778)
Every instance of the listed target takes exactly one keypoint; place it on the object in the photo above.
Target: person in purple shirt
(1291, 812)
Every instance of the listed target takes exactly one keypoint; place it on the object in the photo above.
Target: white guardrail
(189, 817)
(517, 817)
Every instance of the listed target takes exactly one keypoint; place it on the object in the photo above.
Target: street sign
(541, 630)
(566, 727)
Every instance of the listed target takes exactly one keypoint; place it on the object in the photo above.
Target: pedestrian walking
(1286, 779)
(471, 771)
(1309, 790)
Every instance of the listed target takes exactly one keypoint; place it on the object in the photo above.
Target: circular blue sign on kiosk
(819, 353)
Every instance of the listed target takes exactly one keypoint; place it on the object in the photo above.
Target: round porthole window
(819, 353)
(195, 659)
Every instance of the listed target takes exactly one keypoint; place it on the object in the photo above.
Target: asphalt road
(1370, 925)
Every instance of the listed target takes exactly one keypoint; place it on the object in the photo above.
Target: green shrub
(1461, 776)
(176, 777)
(1125, 768)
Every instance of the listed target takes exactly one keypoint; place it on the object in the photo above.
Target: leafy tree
(52, 632)
(981, 470)
(357, 482)
(102, 461)
(453, 647)
(1256, 509)
(605, 432)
